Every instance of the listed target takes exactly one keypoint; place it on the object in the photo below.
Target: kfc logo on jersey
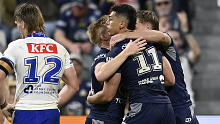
(42, 48)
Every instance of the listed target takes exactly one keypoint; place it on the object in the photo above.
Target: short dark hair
(128, 12)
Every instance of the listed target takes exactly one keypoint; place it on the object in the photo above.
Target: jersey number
(144, 67)
(50, 76)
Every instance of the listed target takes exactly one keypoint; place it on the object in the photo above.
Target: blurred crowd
(66, 21)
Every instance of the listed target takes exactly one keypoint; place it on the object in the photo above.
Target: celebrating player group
(136, 77)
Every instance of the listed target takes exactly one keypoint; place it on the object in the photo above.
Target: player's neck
(122, 30)
(105, 44)
(128, 30)
(26, 33)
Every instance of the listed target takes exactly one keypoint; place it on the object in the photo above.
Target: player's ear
(122, 24)
(23, 24)
(148, 26)
(103, 37)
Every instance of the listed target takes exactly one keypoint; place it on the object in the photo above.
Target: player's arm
(149, 35)
(7, 94)
(71, 87)
(108, 92)
(104, 70)
(168, 73)
(5, 69)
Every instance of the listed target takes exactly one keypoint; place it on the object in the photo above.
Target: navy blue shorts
(185, 116)
(94, 121)
(51, 116)
(149, 113)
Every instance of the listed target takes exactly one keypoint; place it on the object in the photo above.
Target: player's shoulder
(16, 43)
(122, 44)
(101, 54)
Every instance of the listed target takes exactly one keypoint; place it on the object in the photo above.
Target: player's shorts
(95, 121)
(50, 116)
(150, 113)
(102, 119)
(185, 116)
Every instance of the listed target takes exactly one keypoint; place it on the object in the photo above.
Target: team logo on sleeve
(42, 48)
(124, 46)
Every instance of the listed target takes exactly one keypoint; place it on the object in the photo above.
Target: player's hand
(135, 46)
(90, 93)
(8, 111)
(116, 38)
(88, 97)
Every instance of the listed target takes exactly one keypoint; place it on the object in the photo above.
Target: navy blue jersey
(78, 104)
(143, 74)
(111, 112)
(178, 94)
(75, 29)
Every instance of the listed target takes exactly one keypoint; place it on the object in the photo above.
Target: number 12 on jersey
(49, 76)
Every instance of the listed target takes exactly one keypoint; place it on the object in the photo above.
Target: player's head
(29, 17)
(147, 20)
(97, 31)
(163, 7)
(122, 18)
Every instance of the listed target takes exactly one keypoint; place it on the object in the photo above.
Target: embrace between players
(147, 76)
(127, 70)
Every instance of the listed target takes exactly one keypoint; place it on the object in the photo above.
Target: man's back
(143, 72)
(143, 75)
(178, 95)
(39, 63)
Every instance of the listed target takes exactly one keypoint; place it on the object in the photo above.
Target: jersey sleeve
(101, 59)
(68, 61)
(10, 53)
(172, 43)
(117, 50)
